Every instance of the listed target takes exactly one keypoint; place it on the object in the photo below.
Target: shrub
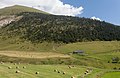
(114, 68)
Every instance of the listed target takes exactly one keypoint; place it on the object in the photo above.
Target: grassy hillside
(13, 10)
(97, 53)
(15, 44)
(94, 47)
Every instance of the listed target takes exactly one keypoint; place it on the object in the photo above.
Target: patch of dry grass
(33, 54)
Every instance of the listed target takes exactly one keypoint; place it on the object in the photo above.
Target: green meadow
(44, 71)
(111, 75)
(46, 57)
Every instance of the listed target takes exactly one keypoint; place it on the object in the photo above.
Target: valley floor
(14, 70)
(44, 71)
(53, 60)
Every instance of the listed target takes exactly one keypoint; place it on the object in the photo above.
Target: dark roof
(78, 51)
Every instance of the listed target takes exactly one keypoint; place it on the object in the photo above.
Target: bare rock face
(4, 20)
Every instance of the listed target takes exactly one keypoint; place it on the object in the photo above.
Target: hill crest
(16, 9)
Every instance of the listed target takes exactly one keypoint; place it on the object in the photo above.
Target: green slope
(97, 53)
(16, 9)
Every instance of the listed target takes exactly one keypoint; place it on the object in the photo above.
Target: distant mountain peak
(16, 9)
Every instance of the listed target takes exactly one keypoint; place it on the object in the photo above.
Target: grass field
(45, 71)
(111, 75)
(97, 53)
(8, 70)
(45, 57)
(94, 47)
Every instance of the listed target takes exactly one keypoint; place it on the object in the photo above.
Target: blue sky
(107, 10)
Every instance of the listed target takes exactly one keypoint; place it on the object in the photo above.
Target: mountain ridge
(39, 27)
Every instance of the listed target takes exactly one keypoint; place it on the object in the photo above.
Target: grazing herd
(88, 70)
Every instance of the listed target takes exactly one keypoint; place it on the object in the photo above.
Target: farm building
(78, 52)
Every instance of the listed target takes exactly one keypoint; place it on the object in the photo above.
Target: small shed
(78, 52)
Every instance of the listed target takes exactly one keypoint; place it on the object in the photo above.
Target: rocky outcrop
(4, 20)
